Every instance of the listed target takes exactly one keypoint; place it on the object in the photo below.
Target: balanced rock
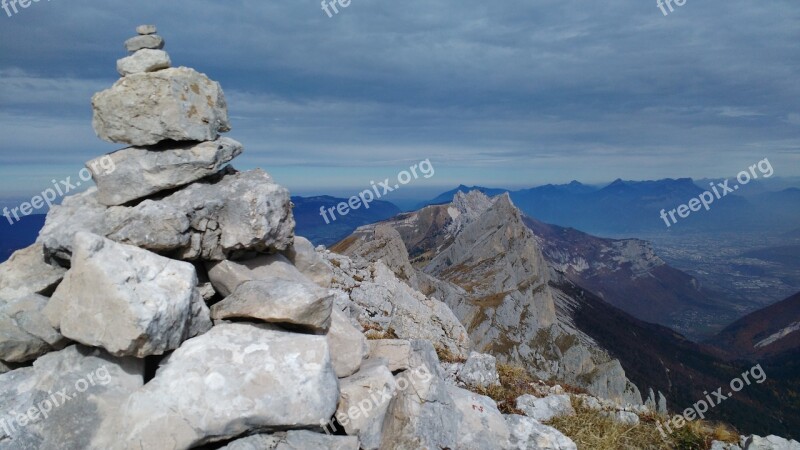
(210, 219)
(26, 272)
(364, 400)
(140, 172)
(146, 29)
(144, 61)
(236, 378)
(60, 402)
(278, 301)
(178, 104)
(144, 41)
(25, 332)
(125, 299)
(348, 345)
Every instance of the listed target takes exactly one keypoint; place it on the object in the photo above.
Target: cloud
(548, 88)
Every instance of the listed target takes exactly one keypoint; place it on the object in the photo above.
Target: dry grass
(591, 430)
(375, 333)
(514, 382)
(445, 355)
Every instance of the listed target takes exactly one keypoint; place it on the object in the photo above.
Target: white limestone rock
(61, 401)
(139, 172)
(278, 301)
(528, 434)
(127, 300)
(25, 332)
(232, 380)
(178, 104)
(544, 409)
(143, 61)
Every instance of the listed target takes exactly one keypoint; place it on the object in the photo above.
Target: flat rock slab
(396, 352)
(144, 61)
(211, 219)
(226, 276)
(139, 172)
(25, 332)
(146, 29)
(278, 301)
(178, 104)
(148, 41)
(61, 401)
(236, 378)
(127, 300)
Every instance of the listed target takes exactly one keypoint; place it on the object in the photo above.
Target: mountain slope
(628, 274)
(767, 332)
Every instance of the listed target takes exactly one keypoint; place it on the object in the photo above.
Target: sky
(513, 93)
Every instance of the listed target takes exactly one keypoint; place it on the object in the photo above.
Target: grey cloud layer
(470, 83)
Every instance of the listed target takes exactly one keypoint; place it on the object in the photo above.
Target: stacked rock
(147, 55)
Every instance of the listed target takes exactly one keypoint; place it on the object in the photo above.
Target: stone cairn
(171, 307)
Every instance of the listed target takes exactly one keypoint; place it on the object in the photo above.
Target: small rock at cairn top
(146, 29)
(151, 41)
(144, 61)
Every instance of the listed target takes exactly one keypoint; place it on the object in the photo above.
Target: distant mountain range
(635, 206)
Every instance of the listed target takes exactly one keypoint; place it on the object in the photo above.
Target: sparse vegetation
(591, 430)
(445, 355)
(376, 333)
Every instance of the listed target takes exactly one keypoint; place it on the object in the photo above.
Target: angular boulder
(480, 370)
(61, 401)
(127, 300)
(140, 172)
(348, 345)
(482, 426)
(303, 255)
(236, 378)
(27, 272)
(423, 414)
(25, 332)
(278, 301)
(143, 61)
(178, 104)
(363, 403)
(528, 434)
